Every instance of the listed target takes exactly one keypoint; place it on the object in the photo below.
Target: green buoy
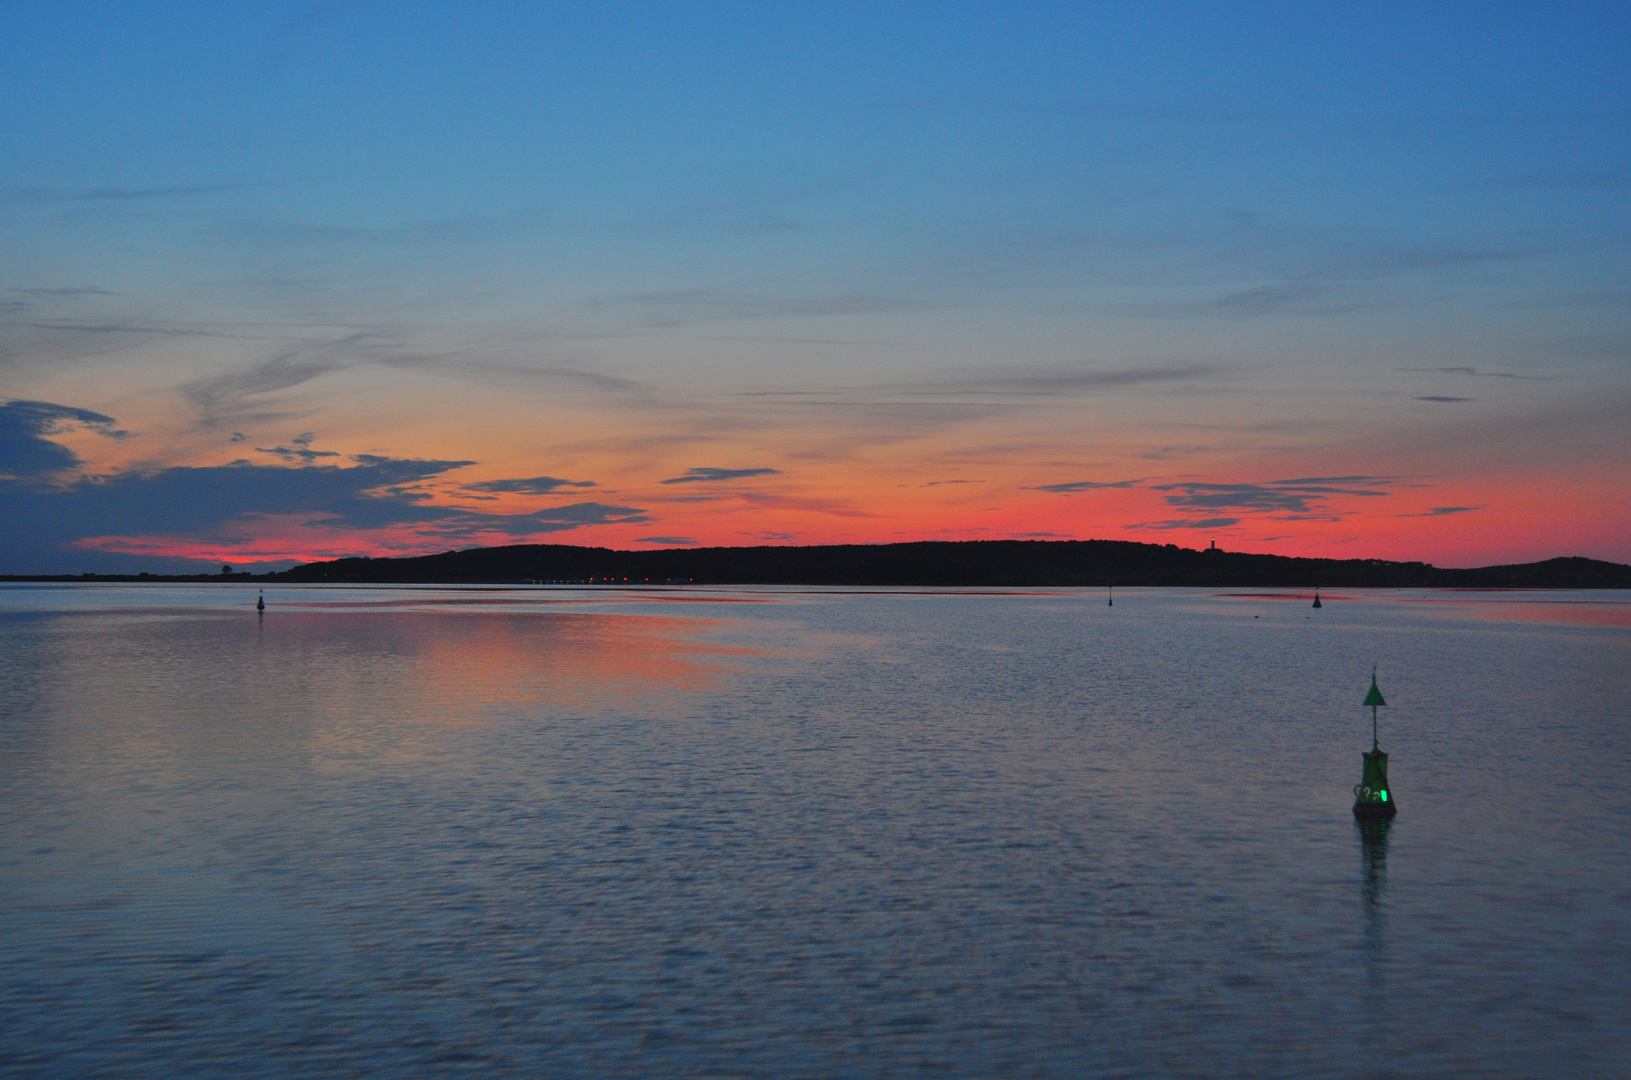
(1372, 796)
(260, 601)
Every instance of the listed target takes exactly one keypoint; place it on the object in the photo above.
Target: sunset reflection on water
(1517, 607)
(1595, 608)
(819, 832)
(510, 657)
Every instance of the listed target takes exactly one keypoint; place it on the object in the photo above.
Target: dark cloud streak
(705, 475)
(1444, 511)
(1188, 523)
(1302, 496)
(1471, 371)
(299, 449)
(1087, 485)
(537, 485)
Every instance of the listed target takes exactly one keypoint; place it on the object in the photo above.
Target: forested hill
(972, 562)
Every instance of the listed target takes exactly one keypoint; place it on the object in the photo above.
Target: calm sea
(783, 832)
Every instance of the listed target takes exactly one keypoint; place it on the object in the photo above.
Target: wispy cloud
(1443, 511)
(466, 524)
(1071, 380)
(537, 485)
(221, 399)
(65, 291)
(977, 393)
(1471, 372)
(1280, 270)
(1444, 399)
(1302, 496)
(830, 507)
(1164, 453)
(669, 308)
(299, 449)
(1087, 485)
(706, 475)
(121, 194)
(1187, 523)
(1269, 299)
(666, 541)
(128, 326)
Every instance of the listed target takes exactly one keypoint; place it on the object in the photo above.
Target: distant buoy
(1317, 597)
(1112, 602)
(1373, 798)
(260, 601)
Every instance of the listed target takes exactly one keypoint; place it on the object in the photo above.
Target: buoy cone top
(1375, 696)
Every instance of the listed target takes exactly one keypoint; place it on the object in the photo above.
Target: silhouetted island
(946, 563)
(998, 563)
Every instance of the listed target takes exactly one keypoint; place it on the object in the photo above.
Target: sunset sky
(284, 282)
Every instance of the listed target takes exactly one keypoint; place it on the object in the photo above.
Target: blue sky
(876, 272)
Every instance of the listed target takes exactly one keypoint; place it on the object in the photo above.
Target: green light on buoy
(1371, 798)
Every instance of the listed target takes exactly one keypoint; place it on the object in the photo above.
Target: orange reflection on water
(1594, 612)
(445, 661)
(1495, 605)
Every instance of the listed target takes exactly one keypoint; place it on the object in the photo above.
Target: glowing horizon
(300, 283)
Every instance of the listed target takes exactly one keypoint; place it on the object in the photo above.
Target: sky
(289, 282)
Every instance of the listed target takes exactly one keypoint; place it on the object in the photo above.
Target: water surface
(784, 832)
